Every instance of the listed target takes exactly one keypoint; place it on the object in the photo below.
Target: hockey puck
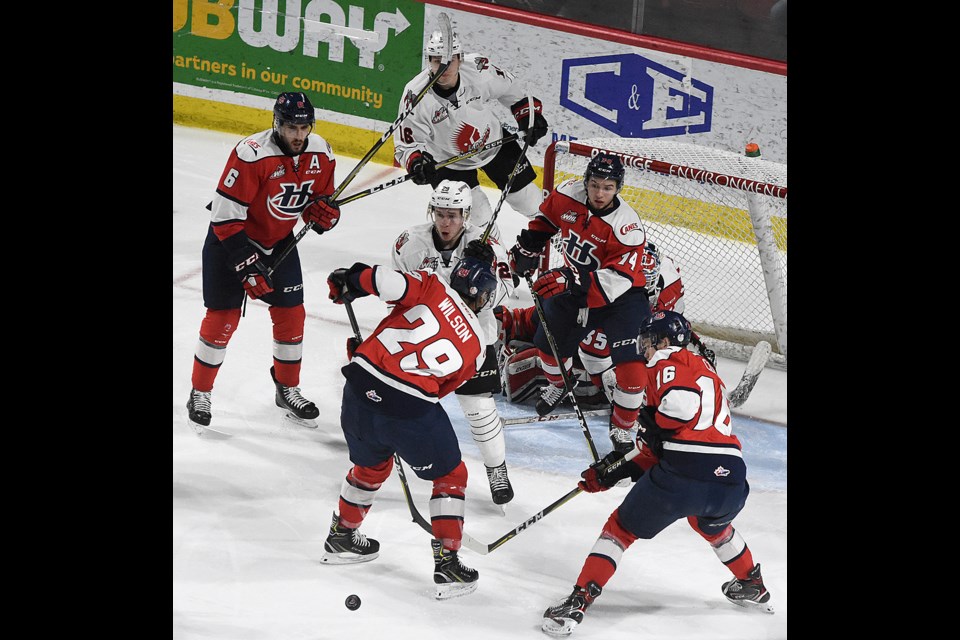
(352, 602)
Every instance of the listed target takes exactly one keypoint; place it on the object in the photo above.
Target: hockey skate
(198, 409)
(550, 397)
(562, 618)
(749, 593)
(622, 439)
(450, 576)
(500, 488)
(348, 546)
(297, 409)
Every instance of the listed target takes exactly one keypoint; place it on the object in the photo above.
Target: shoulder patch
(402, 240)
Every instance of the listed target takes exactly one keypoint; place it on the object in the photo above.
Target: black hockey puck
(352, 602)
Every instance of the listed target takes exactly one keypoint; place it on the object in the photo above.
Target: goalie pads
(523, 376)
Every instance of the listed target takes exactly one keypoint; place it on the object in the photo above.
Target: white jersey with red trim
(429, 344)
(415, 249)
(448, 127)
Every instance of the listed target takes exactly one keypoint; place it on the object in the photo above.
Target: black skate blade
(454, 589)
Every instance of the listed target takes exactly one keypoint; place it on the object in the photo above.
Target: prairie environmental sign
(349, 56)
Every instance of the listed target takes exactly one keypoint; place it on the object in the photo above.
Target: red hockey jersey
(693, 412)
(429, 344)
(605, 250)
(262, 191)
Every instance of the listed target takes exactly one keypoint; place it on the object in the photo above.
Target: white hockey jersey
(448, 127)
(415, 249)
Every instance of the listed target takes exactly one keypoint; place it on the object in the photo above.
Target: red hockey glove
(521, 111)
(422, 167)
(323, 213)
(558, 281)
(345, 284)
(607, 472)
(252, 272)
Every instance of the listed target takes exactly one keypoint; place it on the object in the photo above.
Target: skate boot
(622, 439)
(749, 593)
(198, 409)
(298, 409)
(550, 397)
(560, 619)
(500, 488)
(348, 546)
(450, 576)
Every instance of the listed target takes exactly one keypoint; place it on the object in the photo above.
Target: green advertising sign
(349, 56)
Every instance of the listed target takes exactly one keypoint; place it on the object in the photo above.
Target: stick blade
(446, 28)
(758, 360)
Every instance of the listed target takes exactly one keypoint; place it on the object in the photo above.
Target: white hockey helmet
(451, 194)
(435, 46)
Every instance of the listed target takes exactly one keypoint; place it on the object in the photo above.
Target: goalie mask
(650, 263)
(660, 325)
(475, 281)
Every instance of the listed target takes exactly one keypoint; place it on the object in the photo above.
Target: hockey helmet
(435, 46)
(605, 166)
(292, 108)
(650, 263)
(475, 280)
(451, 194)
(660, 325)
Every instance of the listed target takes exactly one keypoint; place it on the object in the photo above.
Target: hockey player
(690, 466)
(664, 291)
(603, 286)
(271, 178)
(457, 115)
(438, 246)
(430, 343)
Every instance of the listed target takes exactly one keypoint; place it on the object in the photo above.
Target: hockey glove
(422, 167)
(607, 472)
(558, 281)
(352, 345)
(345, 284)
(323, 213)
(479, 250)
(649, 431)
(521, 111)
(248, 266)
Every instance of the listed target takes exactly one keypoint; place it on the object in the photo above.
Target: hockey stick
(567, 383)
(551, 417)
(440, 165)
(755, 366)
(756, 363)
(478, 547)
(447, 57)
(513, 174)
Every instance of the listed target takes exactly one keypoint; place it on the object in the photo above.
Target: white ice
(250, 512)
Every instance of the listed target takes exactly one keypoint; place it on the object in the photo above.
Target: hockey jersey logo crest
(440, 115)
(279, 172)
(569, 216)
(253, 145)
(431, 263)
(469, 138)
(402, 240)
(627, 228)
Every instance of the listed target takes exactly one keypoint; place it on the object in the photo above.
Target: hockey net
(721, 216)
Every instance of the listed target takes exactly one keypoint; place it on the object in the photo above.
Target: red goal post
(720, 215)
